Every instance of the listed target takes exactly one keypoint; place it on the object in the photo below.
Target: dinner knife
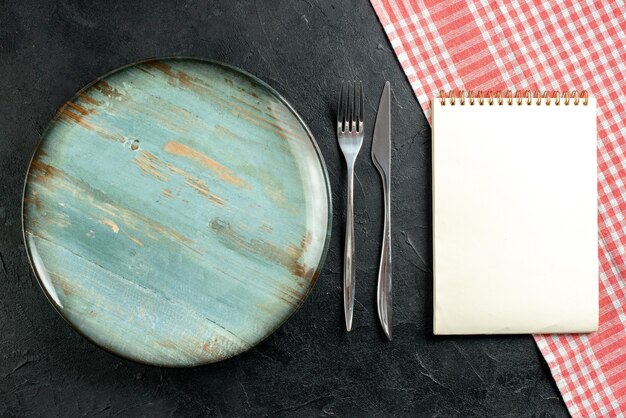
(381, 156)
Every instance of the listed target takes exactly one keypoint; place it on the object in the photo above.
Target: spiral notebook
(514, 213)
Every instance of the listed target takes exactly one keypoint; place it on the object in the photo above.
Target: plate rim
(274, 92)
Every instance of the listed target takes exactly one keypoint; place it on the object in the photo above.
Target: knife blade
(381, 156)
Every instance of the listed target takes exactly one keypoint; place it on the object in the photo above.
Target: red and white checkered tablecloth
(551, 45)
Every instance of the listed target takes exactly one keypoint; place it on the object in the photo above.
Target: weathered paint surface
(177, 212)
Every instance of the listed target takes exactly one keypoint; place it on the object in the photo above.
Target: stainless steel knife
(381, 155)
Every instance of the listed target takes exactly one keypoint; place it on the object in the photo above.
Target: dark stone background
(51, 48)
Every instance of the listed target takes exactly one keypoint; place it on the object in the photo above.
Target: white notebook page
(515, 218)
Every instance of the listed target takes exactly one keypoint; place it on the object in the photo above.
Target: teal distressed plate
(177, 212)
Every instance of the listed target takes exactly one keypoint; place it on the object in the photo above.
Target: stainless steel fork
(350, 137)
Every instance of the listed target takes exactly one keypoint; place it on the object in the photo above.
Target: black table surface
(310, 366)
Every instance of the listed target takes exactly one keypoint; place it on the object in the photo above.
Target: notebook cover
(515, 218)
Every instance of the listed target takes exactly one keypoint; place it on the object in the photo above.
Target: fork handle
(348, 267)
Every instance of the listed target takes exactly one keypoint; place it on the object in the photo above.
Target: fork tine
(341, 117)
(351, 100)
(361, 107)
(346, 101)
(346, 107)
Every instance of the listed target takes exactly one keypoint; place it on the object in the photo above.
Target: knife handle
(383, 295)
(348, 267)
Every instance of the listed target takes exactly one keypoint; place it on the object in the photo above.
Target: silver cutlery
(381, 156)
(350, 136)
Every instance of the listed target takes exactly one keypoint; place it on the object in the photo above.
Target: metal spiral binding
(519, 97)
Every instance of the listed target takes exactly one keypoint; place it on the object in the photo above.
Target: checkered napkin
(550, 45)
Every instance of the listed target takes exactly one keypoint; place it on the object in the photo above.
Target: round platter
(177, 212)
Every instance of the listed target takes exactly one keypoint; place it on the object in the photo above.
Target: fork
(350, 137)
